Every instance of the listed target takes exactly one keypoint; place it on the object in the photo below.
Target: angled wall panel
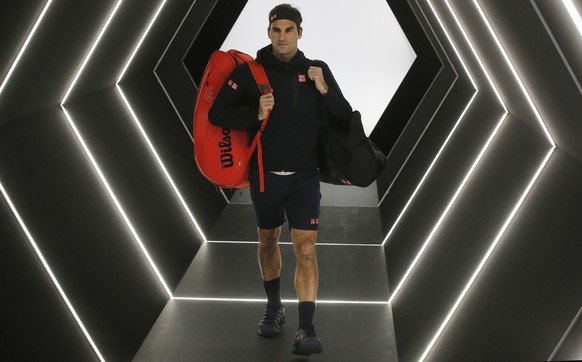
(38, 318)
(80, 233)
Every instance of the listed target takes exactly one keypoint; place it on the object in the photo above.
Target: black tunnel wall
(91, 247)
(520, 278)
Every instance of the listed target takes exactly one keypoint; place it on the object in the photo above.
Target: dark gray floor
(220, 299)
(225, 331)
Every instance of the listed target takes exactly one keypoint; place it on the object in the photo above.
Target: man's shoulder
(319, 63)
(242, 70)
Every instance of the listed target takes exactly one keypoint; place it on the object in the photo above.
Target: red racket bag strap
(265, 88)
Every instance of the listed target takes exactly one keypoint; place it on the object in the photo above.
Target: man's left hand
(316, 75)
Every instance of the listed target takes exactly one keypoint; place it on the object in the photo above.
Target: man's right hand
(266, 104)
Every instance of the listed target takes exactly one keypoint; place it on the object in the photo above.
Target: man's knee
(269, 237)
(304, 244)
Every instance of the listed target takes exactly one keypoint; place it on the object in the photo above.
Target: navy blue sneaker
(272, 321)
(306, 343)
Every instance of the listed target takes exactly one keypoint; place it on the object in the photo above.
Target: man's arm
(332, 96)
(234, 106)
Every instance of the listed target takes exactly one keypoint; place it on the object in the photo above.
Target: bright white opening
(363, 44)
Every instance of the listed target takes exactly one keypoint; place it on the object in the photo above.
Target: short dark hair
(285, 11)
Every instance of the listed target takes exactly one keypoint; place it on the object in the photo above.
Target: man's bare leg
(306, 281)
(306, 271)
(269, 255)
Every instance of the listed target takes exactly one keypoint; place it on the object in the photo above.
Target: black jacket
(290, 138)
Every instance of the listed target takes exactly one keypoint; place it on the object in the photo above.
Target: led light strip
(573, 14)
(144, 134)
(516, 76)
(189, 75)
(487, 256)
(445, 143)
(50, 272)
(566, 335)
(258, 300)
(424, 97)
(421, 135)
(475, 163)
(558, 48)
(90, 53)
(289, 243)
(518, 205)
(160, 61)
(25, 45)
(287, 300)
(92, 159)
(17, 215)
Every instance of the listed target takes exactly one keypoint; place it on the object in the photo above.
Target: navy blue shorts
(295, 196)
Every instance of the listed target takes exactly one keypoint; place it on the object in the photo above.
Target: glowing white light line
(160, 163)
(426, 94)
(25, 45)
(566, 334)
(288, 243)
(514, 71)
(573, 14)
(424, 97)
(477, 57)
(258, 300)
(166, 92)
(430, 167)
(188, 72)
(160, 61)
(487, 255)
(475, 163)
(90, 53)
(449, 206)
(457, 53)
(142, 130)
(94, 162)
(413, 195)
(184, 124)
(143, 37)
(115, 200)
(508, 221)
(50, 272)
(557, 45)
(173, 106)
(174, 36)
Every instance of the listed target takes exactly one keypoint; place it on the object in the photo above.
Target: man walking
(302, 90)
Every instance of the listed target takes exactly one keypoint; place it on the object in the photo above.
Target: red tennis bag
(222, 154)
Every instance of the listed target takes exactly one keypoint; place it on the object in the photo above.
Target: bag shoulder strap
(265, 88)
(260, 76)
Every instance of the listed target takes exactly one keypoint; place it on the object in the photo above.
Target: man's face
(284, 36)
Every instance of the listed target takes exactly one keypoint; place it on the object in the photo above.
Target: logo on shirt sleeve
(302, 78)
